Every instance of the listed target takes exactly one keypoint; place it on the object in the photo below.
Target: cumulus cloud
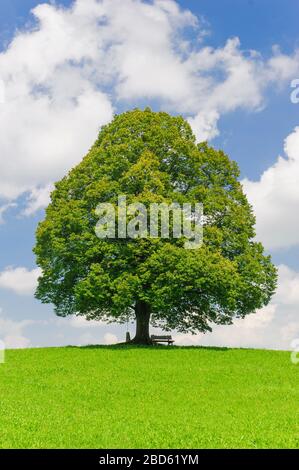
(38, 198)
(20, 280)
(76, 321)
(88, 338)
(4, 208)
(245, 76)
(110, 338)
(81, 322)
(274, 326)
(93, 331)
(53, 107)
(64, 77)
(288, 286)
(275, 198)
(247, 332)
(16, 342)
(12, 334)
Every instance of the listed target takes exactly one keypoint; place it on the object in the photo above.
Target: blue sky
(245, 109)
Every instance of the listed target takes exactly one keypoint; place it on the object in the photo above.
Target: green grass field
(163, 397)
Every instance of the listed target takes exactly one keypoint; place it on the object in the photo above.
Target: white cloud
(275, 198)
(16, 342)
(77, 321)
(88, 338)
(12, 332)
(258, 320)
(2, 92)
(109, 338)
(38, 198)
(53, 107)
(4, 208)
(274, 326)
(245, 76)
(204, 124)
(20, 280)
(247, 332)
(63, 76)
(81, 322)
(288, 286)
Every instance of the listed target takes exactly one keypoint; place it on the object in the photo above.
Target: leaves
(152, 157)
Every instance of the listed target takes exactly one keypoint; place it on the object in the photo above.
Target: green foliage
(152, 157)
(158, 397)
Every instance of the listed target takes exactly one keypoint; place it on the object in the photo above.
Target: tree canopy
(152, 158)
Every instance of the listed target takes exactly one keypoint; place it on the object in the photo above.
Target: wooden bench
(162, 339)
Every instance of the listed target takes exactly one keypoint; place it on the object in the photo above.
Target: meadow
(155, 397)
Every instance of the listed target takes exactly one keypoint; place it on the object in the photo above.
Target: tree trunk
(142, 314)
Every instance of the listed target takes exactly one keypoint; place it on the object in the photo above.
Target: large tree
(152, 158)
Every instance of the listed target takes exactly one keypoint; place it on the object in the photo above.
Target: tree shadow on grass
(156, 347)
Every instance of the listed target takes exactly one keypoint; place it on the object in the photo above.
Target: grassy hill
(163, 397)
